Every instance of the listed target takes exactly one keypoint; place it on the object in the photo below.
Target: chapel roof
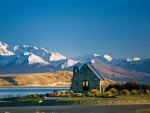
(95, 72)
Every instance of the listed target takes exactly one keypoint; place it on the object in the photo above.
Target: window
(85, 85)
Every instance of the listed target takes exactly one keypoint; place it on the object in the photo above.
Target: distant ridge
(31, 59)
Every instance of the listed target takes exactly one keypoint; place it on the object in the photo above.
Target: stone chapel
(87, 78)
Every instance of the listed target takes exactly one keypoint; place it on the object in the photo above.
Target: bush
(88, 94)
(21, 96)
(125, 92)
(63, 93)
(108, 94)
(70, 92)
(132, 84)
(57, 93)
(32, 95)
(147, 92)
(78, 94)
(94, 91)
(49, 94)
(134, 92)
(44, 97)
(113, 90)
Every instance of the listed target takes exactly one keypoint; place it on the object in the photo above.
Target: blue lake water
(11, 91)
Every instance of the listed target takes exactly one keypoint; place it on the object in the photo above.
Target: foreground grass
(24, 99)
(120, 97)
(72, 98)
(143, 111)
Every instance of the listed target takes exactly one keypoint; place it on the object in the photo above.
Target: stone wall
(81, 75)
(76, 103)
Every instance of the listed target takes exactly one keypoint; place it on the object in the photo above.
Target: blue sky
(120, 28)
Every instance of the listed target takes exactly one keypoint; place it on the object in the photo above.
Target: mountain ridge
(31, 59)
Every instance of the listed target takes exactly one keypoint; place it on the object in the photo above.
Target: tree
(131, 84)
(145, 86)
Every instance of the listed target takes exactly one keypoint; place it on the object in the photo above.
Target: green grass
(142, 111)
(24, 99)
(121, 97)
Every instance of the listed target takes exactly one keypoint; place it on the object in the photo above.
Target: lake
(11, 91)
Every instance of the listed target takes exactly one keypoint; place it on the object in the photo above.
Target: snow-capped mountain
(68, 63)
(30, 59)
(27, 56)
(89, 57)
(19, 51)
(5, 49)
(119, 74)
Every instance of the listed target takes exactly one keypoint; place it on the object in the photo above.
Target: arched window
(85, 85)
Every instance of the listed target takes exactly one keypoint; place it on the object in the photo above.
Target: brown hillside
(116, 72)
(59, 78)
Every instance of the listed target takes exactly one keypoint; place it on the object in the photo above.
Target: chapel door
(85, 85)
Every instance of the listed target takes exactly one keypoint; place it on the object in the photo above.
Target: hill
(58, 78)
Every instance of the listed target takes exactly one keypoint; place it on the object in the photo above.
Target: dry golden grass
(58, 78)
(5, 83)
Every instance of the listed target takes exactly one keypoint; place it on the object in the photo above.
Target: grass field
(25, 99)
(121, 97)
(33, 99)
(143, 111)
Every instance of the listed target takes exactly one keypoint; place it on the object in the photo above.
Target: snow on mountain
(33, 59)
(118, 73)
(25, 58)
(86, 58)
(4, 49)
(24, 50)
(43, 53)
(56, 56)
(133, 59)
(108, 58)
(68, 63)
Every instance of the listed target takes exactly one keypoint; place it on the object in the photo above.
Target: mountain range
(31, 59)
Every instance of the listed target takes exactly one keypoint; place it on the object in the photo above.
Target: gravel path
(74, 109)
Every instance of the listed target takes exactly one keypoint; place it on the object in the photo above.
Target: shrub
(49, 94)
(44, 97)
(134, 92)
(14, 96)
(125, 92)
(94, 91)
(63, 93)
(108, 94)
(70, 92)
(147, 92)
(132, 84)
(32, 95)
(78, 94)
(21, 96)
(88, 94)
(145, 86)
(141, 94)
(113, 90)
(57, 93)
